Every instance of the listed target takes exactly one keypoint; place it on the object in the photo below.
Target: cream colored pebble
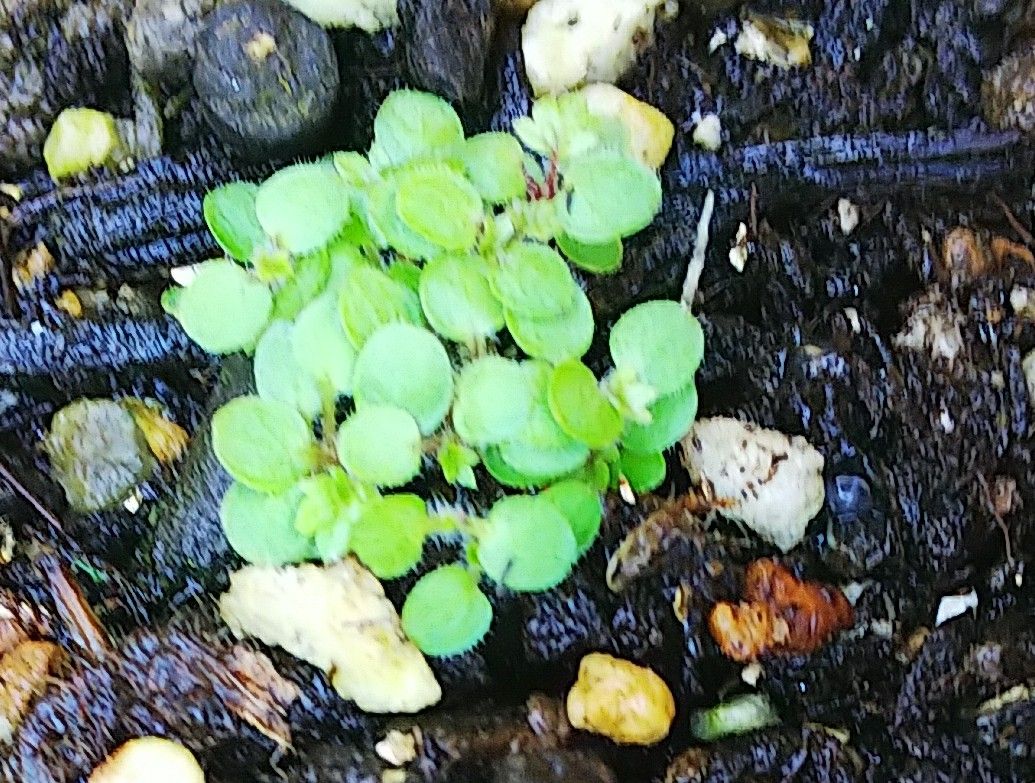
(150, 759)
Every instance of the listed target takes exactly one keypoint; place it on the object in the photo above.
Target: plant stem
(328, 417)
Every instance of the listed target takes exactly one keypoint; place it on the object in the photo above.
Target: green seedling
(393, 279)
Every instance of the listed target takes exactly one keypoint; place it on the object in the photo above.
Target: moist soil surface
(880, 201)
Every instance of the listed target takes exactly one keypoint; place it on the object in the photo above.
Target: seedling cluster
(431, 282)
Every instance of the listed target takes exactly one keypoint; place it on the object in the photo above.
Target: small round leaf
(265, 445)
(533, 280)
(645, 471)
(458, 300)
(612, 196)
(445, 612)
(600, 259)
(672, 417)
(260, 527)
(278, 376)
(493, 399)
(440, 206)
(411, 124)
(567, 336)
(389, 535)
(506, 475)
(543, 464)
(661, 342)
(407, 367)
(370, 299)
(495, 165)
(580, 408)
(388, 229)
(380, 445)
(528, 544)
(303, 207)
(229, 212)
(320, 346)
(581, 506)
(224, 309)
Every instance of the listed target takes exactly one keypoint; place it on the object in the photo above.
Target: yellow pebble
(630, 704)
(70, 303)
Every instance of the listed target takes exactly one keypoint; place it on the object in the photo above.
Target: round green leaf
(380, 445)
(542, 464)
(581, 506)
(506, 475)
(389, 535)
(567, 336)
(661, 342)
(457, 299)
(672, 417)
(224, 309)
(541, 430)
(533, 280)
(440, 206)
(412, 124)
(320, 347)
(370, 299)
(279, 377)
(229, 212)
(495, 165)
(600, 259)
(260, 527)
(445, 612)
(388, 229)
(612, 196)
(265, 445)
(407, 367)
(528, 544)
(580, 408)
(303, 207)
(493, 399)
(645, 471)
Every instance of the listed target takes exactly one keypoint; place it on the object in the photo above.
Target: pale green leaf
(229, 212)
(458, 300)
(412, 124)
(304, 206)
(265, 445)
(528, 544)
(278, 376)
(661, 342)
(320, 346)
(445, 613)
(495, 165)
(380, 445)
(260, 527)
(612, 196)
(224, 309)
(407, 367)
(440, 206)
(493, 399)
